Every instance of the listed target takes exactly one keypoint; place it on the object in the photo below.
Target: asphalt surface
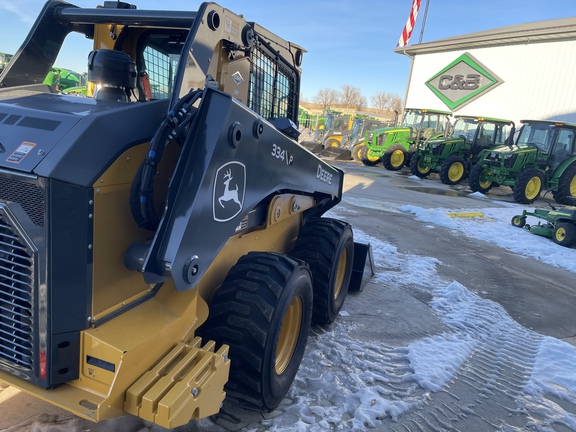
(538, 296)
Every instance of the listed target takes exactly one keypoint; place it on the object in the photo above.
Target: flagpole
(424, 21)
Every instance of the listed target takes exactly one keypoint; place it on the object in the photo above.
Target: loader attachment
(336, 153)
(363, 266)
(314, 146)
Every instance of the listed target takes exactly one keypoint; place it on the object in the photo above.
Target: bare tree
(361, 103)
(350, 96)
(326, 97)
(384, 101)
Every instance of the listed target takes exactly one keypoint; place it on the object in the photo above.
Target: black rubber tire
(357, 152)
(365, 160)
(528, 186)
(327, 246)
(564, 234)
(332, 142)
(566, 186)
(247, 313)
(409, 158)
(475, 181)
(518, 221)
(415, 169)
(392, 160)
(453, 170)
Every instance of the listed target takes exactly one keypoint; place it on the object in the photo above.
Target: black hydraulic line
(173, 128)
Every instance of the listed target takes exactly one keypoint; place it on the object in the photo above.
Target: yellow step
(188, 383)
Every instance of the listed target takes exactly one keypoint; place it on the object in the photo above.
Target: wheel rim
(334, 143)
(397, 158)
(359, 153)
(371, 157)
(560, 234)
(484, 184)
(289, 334)
(573, 186)
(456, 171)
(533, 187)
(340, 273)
(423, 169)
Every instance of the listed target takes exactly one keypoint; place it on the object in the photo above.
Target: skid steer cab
(161, 240)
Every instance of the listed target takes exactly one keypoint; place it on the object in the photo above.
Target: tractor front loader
(161, 240)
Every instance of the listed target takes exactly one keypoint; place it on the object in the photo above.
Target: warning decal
(21, 152)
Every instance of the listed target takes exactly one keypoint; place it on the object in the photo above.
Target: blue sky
(348, 42)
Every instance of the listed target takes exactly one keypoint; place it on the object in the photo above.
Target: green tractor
(4, 60)
(393, 146)
(65, 79)
(559, 225)
(453, 157)
(542, 158)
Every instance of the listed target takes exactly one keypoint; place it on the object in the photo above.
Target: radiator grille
(16, 282)
(28, 195)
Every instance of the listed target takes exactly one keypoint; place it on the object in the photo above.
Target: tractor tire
(452, 170)
(476, 181)
(566, 186)
(518, 221)
(332, 142)
(416, 169)
(528, 186)
(327, 246)
(564, 234)
(394, 158)
(367, 157)
(262, 311)
(357, 152)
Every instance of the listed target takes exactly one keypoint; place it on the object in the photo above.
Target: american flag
(407, 32)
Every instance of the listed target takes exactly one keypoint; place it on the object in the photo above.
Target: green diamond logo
(462, 81)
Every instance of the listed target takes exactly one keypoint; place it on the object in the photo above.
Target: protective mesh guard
(272, 87)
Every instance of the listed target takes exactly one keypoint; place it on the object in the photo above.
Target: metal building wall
(539, 81)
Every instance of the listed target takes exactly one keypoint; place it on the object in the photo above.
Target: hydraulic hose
(173, 128)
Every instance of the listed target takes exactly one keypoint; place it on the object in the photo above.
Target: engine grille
(28, 195)
(16, 290)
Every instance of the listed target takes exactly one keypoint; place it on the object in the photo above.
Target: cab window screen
(160, 72)
(272, 87)
(160, 56)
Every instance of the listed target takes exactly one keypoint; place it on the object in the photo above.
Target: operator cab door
(562, 147)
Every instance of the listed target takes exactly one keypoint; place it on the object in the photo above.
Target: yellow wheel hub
(533, 187)
(484, 184)
(397, 158)
(289, 333)
(573, 186)
(560, 234)
(340, 273)
(423, 169)
(456, 171)
(371, 156)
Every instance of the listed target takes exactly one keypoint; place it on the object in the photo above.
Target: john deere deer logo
(229, 195)
(229, 189)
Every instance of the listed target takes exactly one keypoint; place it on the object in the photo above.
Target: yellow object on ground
(470, 214)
